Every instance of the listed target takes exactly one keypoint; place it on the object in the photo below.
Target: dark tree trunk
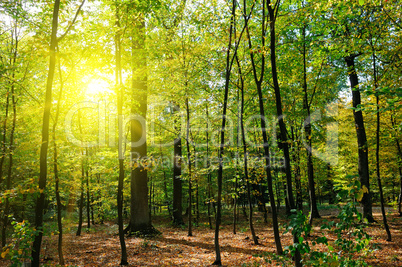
(282, 127)
(246, 176)
(363, 164)
(377, 153)
(218, 260)
(177, 179)
(190, 200)
(4, 140)
(209, 204)
(399, 160)
(56, 173)
(120, 97)
(14, 50)
(140, 221)
(45, 141)
(307, 129)
(272, 10)
(87, 198)
(258, 82)
(81, 207)
(10, 166)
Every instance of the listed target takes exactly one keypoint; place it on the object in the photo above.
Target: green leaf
(361, 2)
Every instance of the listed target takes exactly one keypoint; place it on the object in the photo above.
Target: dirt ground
(100, 245)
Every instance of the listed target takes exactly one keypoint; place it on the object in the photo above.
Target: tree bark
(140, 220)
(45, 141)
(363, 164)
(120, 95)
(177, 179)
(218, 260)
(208, 174)
(14, 50)
(377, 152)
(56, 174)
(258, 82)
(87, 198)
(307, 129)
(246, 176)
(272, 11)
(190, 197)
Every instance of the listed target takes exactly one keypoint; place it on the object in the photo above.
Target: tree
(361, 138)
(177, 180)
(45, 140)
(120, 97)
(140, 220)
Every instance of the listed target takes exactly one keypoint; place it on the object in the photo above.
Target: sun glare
(97, 87)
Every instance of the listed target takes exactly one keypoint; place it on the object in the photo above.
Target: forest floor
(99, 246)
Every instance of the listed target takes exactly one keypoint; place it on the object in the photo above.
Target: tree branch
(72, 23)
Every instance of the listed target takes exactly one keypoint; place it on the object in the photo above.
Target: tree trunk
(140, 221)
(218, 260)
(208, 174)
(307, 128)
(377, 152)
(363, 164)
(177, 179)
(120, 97)
(282, 127)
(14, 51)
(399, 160)
(81, 208)
(190, 201)
(45, 141)
(278, 101)
(56, 174)
(246, 176)
(258, 82)
(88, 200)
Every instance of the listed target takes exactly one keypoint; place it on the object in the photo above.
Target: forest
(200, 133)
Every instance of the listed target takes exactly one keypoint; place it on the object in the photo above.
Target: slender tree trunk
(14, 50)
(190, 202)
(10, 165)
(399, 160)
(45, 141)
(282, 127)
(246, 176)
(272, 10)
(87, 198)
(363, 164)
(218, 260)
(120, 97)
(4, 139)
(377, 153)
(56, 173)
(177, 179)
(208, 174)
(197, 206)
(258, 82)
(81, 208)
(307, 128)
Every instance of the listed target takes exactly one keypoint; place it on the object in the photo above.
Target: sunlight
(97, 87)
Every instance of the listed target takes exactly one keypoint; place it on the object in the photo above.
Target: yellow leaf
(20, 252)
(4, 253)
(364, 189)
